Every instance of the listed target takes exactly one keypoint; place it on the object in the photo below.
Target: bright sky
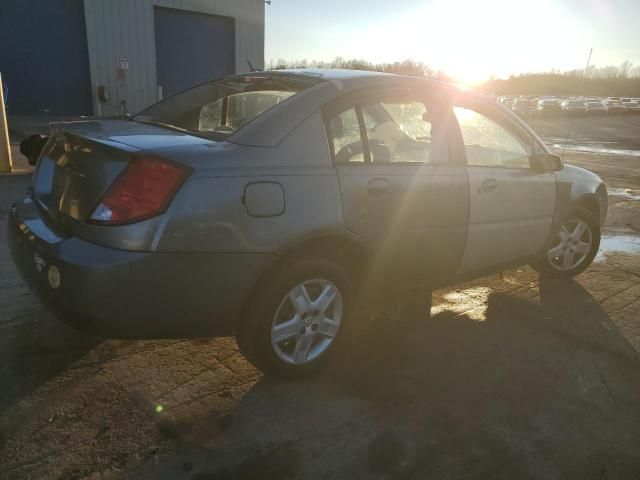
(470, 40)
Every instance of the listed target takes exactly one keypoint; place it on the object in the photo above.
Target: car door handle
(378, 186)
(488, 185)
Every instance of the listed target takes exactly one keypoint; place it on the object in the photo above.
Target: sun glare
(471, 40)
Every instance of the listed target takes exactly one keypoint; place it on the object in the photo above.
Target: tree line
(612, 80)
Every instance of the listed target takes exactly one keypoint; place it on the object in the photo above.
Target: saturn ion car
(274, 205)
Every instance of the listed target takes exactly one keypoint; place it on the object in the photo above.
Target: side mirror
(32, 146)
(548, 162)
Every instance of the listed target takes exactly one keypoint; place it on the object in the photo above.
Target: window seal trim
(364, 138)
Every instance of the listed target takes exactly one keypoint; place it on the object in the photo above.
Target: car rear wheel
(574, 246)
(296, 317)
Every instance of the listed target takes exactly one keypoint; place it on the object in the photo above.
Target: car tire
(568, 255)
(274, 301)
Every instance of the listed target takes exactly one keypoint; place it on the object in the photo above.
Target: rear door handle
(488, 185)
(378, 186)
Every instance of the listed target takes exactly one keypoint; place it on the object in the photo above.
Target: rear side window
(403, 132)
(489, 144)
(410, 117)
(345, 135)
(400, 132)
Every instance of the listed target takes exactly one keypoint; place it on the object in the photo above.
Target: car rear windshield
(219, 108)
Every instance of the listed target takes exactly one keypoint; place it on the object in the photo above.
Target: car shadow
(533, 388)
(34, 345)
(34, 349)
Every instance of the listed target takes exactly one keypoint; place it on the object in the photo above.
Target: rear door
(402, 191)
(511, 202)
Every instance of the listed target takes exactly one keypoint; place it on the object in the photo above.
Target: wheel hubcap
(573, 245)
(306, 321)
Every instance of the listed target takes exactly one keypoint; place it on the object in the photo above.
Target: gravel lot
(515, 378)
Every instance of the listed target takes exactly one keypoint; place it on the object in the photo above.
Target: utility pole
(6, 166)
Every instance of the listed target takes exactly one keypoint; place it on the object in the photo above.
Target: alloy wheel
(574, 241)
(307, 321)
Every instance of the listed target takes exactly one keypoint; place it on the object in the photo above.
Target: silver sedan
(276, 205)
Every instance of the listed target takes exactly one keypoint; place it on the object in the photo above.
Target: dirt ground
(519, 378)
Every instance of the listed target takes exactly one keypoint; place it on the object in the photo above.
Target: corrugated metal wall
(125, 28)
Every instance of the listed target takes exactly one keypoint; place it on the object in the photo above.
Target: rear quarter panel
(210, 215)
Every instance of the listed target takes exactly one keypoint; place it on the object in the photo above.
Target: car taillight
(144, 189)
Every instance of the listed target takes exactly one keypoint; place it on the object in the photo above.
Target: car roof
(269, 128)
(332, 73)
(352, 79)
(347, 80)
(274, 124)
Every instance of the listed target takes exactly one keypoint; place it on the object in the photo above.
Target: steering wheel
(349, 151)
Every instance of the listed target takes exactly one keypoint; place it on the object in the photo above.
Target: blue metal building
(108, 57)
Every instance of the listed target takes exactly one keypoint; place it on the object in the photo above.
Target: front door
(512, 203)
(400, 190)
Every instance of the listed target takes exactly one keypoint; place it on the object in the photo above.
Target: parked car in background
(595, 107)
(631, 105)
(614, 106)
(574, 106)
(276, 205)
(524, 107)
(548, 106)
(507, 101)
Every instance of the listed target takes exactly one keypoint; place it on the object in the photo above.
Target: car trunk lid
(82, 159)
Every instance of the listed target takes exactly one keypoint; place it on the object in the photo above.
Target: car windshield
(219, 108)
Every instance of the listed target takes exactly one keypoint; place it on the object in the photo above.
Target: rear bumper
(125, 294)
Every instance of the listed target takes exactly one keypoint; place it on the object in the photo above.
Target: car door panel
(511, 203)
(414, 220)
(402, 189)
(510, 221)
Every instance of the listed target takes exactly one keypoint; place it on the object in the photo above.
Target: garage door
(192, 48)
(43, 57)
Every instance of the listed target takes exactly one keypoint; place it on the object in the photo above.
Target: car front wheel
(573, 248)
(295, 317)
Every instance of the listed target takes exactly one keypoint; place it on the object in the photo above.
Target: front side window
(488, 144)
